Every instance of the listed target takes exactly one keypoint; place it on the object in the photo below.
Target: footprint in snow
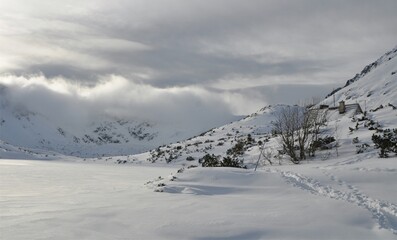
(384, 213)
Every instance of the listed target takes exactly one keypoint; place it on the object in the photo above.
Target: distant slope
(376, 85)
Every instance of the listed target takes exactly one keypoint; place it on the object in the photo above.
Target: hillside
(215, 141)
(375, 89)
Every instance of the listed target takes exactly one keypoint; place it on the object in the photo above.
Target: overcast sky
(220, 54)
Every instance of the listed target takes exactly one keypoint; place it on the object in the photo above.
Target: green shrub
(210, 161)
(362, 148)
(386, 143)
(213, 161)
(321, 143)
(231, 162)
(237, 149)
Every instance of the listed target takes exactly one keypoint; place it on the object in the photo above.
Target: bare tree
(298, 128)
(318, 119)
(286, 124)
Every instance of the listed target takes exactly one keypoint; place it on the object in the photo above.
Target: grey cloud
(183, 67)
(69, 103)
(198, 43)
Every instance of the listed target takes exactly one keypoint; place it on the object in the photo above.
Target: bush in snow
(213, 161)
(250, 141)
(372, 125)
(386, 143)
(376, 109)
(323, 143)
(391, 105)
(236, 150)
(231, 162)
(210, 161)
(361, 148)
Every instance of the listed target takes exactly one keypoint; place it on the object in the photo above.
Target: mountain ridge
(386, 57)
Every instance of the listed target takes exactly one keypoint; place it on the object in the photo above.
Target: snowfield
(346, 198)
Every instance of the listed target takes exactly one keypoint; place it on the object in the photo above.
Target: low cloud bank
(67, 102)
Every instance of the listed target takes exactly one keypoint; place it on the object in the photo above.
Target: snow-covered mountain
(252, 129)
(374, 86)
(374, 89)
(23, 130)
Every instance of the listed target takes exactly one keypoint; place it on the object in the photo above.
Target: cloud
(72, 103)
(192, 58)
(194, 42)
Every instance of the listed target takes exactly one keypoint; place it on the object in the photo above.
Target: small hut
(343, 107)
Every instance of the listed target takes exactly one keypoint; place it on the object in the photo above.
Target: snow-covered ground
(343, 198)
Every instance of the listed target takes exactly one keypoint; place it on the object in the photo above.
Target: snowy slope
(376, 85)
(215, 141)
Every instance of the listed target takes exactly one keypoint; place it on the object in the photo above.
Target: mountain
(374, 89)
(374, 86)
(104, 135)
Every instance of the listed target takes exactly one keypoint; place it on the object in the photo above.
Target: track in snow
(384, 213)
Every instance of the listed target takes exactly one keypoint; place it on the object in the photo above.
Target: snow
(333, 199)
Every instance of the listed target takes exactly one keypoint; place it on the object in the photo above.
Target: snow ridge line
(383, 212)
